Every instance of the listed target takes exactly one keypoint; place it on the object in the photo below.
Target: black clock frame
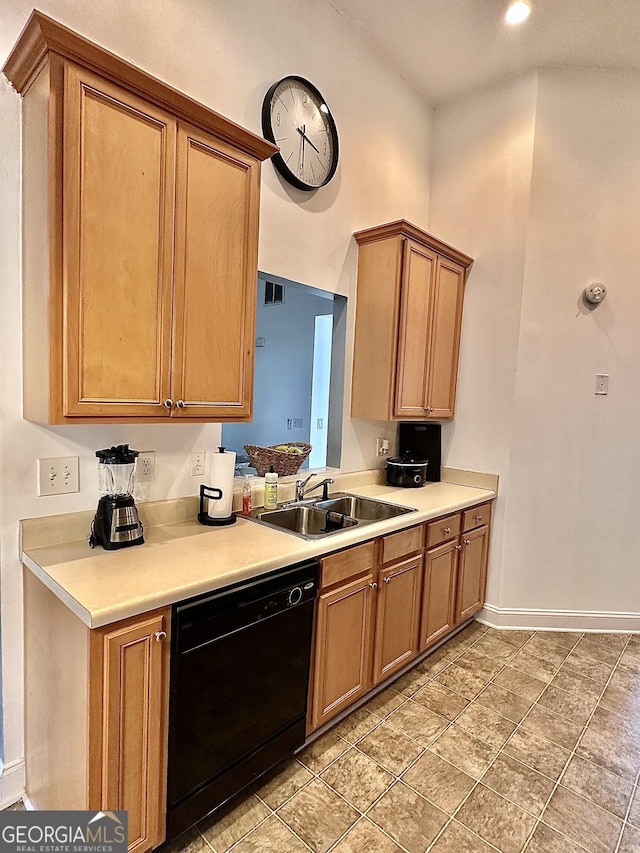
(267, 130)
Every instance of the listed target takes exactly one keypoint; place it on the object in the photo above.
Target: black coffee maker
(116, 523)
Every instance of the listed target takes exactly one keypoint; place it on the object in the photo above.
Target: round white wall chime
(594, 294)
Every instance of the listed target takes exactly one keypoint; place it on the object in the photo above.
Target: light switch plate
(602, 383)
(58, 475)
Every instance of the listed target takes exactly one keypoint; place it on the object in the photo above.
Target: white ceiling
(445, 48)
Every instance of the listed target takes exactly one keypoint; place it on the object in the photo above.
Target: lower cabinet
(96, 705)
(384, 602)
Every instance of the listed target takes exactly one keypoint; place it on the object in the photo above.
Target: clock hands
(305, 138)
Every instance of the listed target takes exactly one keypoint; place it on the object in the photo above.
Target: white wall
(540, 179)
(225, 55)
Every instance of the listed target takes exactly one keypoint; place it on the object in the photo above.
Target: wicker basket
(262, 458)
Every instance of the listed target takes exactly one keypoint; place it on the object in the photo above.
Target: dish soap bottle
(246, 495)
(270, 489)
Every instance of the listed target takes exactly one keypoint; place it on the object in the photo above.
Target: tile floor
(500, 740)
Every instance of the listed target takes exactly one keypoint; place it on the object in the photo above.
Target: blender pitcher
(116, 523)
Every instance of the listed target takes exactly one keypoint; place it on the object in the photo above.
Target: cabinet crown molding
(403, 228)
(43, 35)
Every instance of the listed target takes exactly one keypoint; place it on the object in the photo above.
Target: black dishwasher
(238, 693)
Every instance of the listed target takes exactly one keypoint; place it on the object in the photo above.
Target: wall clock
(296, 118)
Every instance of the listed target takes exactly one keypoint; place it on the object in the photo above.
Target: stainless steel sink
(307, 521)
(364, 509)
(321, 518)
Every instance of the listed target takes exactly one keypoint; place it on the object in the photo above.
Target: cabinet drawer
(347, 564)
(402, 544)
(476, 516)
(444, 529)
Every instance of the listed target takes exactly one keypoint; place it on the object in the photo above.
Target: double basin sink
(320, 518)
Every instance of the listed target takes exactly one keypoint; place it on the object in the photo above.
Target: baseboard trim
(558, 620)
(11, 783)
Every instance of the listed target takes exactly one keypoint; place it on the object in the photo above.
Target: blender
(116, 523)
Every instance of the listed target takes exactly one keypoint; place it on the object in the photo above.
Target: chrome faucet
(300, 484)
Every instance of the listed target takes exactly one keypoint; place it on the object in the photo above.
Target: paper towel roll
(222, 470)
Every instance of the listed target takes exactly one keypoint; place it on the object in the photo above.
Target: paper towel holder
(212, 493)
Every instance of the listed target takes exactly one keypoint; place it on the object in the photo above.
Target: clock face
(296, 118)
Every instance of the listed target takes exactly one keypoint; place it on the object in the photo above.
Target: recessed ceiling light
(517, 12)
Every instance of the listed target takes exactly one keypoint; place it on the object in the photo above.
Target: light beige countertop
(181, 559)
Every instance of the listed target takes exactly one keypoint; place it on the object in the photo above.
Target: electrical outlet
(146, 466)
(197, 463)
(602, 383)
(382, 446)
(58, 476)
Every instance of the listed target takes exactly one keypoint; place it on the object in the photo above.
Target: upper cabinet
(140, 241)
(408, 319)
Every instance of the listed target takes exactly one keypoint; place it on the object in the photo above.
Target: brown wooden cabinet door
(342, 652)
(118, 208)
(438, 597)
(472, 573)
(397, 615)
(128, 719)
(446, 322)
(215, 278)
(416, 297)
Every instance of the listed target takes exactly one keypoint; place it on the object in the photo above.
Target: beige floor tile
(521, 784)
(232, 823)
(411, 681)
(545, 647)
(356, 725)
(605, 648)
(566, 639)
(441, 701)
(460, 681)
(520, 683)
(435, 663)
(418, 722)
(439, 781)
(478, 664)
(634, 811)
(573, 706)
(282, 783)
(498, 821)
(357, 778)
(365, 837)
(457, 838)
(547, 840)
(486, 724)
(323, 751)
(318, 815)
(622, 702)
(495, 648)
(582, 821)
(574, 682)
(390, 748)
(630, 841)
(527, 661)
(384, 703)
(597, 671)
(464, 750)
(408, 818)
(504, 702)
(188, 842)
(631, 655)
(599, 785)
(515, 637)
(272, 835)
(472, 631)
(546, 723)
(537, 752)
(609, 741)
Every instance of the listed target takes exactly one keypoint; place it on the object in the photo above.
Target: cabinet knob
(428, 409)
(386, 580)
(447, 530)
(478, 518)
(458, 547)
(467, 541)
(160, 636)
(373, 585)
(168, 404)
(181, 404)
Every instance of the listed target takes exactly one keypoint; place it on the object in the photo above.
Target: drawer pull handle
(386, 580)
(160, 636)
(467, 541)
(447, 530)
(373, 585)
